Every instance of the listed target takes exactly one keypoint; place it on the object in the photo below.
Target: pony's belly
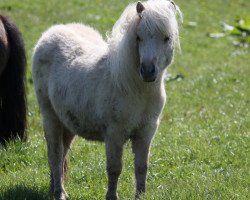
(89, 132)
(84, 127)
(91, 135)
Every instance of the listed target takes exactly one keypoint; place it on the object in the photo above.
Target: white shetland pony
(109, 91)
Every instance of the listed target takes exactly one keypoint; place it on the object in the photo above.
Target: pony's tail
(12, 87)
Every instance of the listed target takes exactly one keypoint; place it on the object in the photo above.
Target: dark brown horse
(12, 78)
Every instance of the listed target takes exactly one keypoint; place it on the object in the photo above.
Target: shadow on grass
(24, 193)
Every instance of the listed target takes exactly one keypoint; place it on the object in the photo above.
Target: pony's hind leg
(67, 140)
(54, 137)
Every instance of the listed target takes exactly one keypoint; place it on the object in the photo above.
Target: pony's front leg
(141, 146)
(114, 151)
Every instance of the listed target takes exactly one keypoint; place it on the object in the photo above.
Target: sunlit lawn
(201, 150)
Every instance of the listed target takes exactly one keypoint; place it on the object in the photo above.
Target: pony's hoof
(61, 196)
(138, 194)
(112, 197)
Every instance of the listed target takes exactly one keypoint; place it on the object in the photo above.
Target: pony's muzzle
(148, 72)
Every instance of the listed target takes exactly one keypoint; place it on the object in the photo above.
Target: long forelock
(159, 16)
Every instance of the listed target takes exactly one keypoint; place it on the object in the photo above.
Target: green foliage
(202, 148)
(241, 30)
(242, 25)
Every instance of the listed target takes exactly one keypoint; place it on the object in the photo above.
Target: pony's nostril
(152, 70)
(148, 72)
(142, 69)
(147, 69)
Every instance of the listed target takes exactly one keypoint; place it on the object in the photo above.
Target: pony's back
(64, 39)
(63, 49)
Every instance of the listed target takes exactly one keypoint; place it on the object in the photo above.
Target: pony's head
(156, 37)
(142, 42)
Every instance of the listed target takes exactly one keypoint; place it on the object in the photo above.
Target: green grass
(202, 148)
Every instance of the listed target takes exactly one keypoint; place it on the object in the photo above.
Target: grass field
(202, 148)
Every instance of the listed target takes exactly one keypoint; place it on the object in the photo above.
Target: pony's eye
(166, 39)
(138, 39)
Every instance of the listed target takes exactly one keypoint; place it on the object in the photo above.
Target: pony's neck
(124, 62)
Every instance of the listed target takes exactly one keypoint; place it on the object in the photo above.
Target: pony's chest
(132, 115)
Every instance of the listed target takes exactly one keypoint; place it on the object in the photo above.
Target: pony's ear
(139, 7)
(173, 5)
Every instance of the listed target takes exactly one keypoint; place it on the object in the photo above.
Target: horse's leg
(67, 140)
(114, 151)
(54, 136)
(141, 146)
